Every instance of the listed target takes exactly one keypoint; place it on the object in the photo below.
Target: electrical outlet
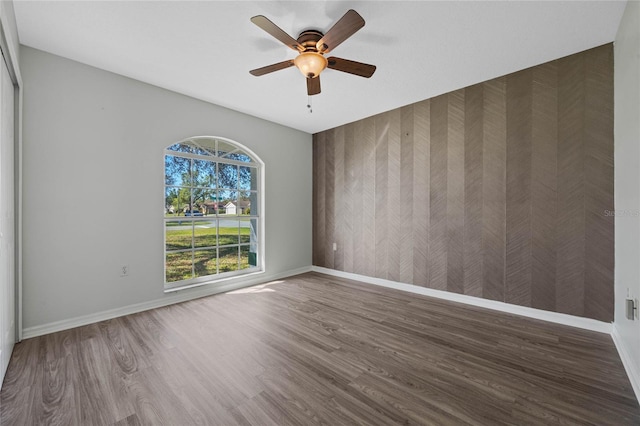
(335, 246)
(124, 270)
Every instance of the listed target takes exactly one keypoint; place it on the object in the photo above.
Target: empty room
(319, 212)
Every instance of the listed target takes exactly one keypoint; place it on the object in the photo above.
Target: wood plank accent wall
(498, 190)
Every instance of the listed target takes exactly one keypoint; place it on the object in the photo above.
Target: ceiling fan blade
(352, 67)
(313, 86)
(342, 30)
(277, 32)
(271, 68)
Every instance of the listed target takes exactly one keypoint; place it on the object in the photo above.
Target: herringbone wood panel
(472, 245)
(407, 142)
(518, 254)
(493, 187)
(438, 190)
(367, 133)
(340, 200)
(544, 178)
(318, 198)
(329, 197)
(394, 215)
(421, 181)
(571, 180)
(498, 190)
(599, 184)
(381, 247)
(455, 192)
(356, 178)
(349, 179)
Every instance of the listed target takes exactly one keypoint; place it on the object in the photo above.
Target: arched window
(212, 211)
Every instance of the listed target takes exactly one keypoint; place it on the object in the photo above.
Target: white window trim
(225, 276)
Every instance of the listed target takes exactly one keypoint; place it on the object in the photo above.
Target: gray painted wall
(93, 185)
(627, 179)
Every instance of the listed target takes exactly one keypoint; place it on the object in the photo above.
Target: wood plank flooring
(314, 349)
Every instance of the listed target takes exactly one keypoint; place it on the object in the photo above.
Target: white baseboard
(171, 298)
(630, 364)
(564, 319)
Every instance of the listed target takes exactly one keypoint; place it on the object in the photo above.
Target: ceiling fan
(312, 45)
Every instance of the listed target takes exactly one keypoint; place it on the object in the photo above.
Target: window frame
(218, 277)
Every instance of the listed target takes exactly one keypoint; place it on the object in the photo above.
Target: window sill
(219, 281)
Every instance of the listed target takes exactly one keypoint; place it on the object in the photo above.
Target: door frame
(9, 51)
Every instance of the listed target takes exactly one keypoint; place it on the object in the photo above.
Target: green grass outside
(178, 239)
(178, 265)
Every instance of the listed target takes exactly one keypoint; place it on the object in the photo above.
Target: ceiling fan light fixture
(310, 64)
(311, 46)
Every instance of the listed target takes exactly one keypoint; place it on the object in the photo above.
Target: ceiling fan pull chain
(309, 104)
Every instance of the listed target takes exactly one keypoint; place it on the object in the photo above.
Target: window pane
(203, 198)
(180, 147)
(211, 205)
(205, 262)
(191, 208)
(254, 234)
(246, 233)
(239, 156)
(245, 258)
(178, 266)
(243, 206)
(178, 235)
(253, 247)
(204, 146)
(177, 171)
(204, 233)
(228, 202)
(228, 260)
(253, 204)
(248, 178)
(177, 200)
(226, 149)
(228, 231)
(172, 203)
(200, 147)
(227, 176)
(244, 203)
(204, 173)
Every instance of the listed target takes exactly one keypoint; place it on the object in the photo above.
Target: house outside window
(212, 215)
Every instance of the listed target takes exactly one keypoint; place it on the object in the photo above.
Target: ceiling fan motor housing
(309, 39)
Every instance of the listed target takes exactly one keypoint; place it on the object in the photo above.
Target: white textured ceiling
(205, 49)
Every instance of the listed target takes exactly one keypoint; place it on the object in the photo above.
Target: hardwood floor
(314, 349)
